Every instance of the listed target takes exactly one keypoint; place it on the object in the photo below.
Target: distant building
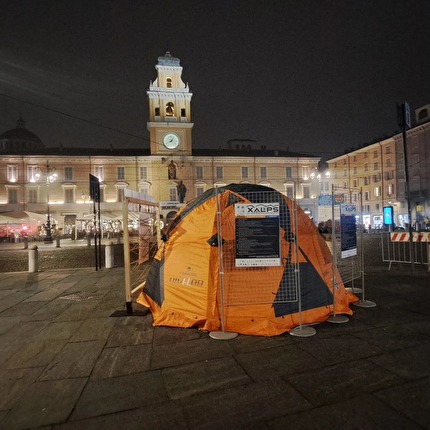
(155, 171)
(378, 171)
(20, 139)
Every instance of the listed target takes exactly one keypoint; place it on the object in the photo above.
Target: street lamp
(321, 178)
(51, 176)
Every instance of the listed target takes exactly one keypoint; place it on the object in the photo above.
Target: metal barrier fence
(141, 220)
(261, 219)
(396, 248)
(229, 268)
(350, 267)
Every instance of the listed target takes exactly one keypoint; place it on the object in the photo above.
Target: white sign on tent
(257, 234)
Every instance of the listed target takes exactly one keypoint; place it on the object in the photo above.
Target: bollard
(25, 242)
(57, 242)
(33, 259)
(109, 255)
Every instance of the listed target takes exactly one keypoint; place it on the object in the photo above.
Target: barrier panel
(141, 221)
(351, 266)
(257, 247)
(396, 248)
(347, 240)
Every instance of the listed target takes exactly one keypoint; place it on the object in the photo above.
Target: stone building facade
(28, 190)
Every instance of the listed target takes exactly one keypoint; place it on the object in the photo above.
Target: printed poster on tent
(348, 230)
(257, 234)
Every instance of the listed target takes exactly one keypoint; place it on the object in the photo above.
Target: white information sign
(257, 234)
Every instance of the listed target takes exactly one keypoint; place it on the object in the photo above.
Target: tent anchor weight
(354, 290)
(365, 304)
(222, 335)
(338, 319)
(302, 331)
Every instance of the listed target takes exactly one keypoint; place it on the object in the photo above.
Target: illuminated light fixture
(51, 176)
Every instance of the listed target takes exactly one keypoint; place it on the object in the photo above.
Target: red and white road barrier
(404, 237)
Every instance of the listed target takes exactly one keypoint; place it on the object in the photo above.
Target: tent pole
(363, 303)
(336, 319)
(300, 330)
(221, 335)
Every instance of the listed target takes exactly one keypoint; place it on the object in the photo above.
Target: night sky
(312, 76)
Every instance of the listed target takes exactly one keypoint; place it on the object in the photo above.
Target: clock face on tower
(171, 141)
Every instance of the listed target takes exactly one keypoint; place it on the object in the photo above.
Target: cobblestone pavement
(71, 358)
(70, 254)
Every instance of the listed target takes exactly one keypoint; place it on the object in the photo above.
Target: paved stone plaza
(67, 363)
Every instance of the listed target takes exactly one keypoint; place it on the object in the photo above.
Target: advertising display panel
(388, 215)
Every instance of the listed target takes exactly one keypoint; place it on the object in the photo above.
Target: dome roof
(20, 139)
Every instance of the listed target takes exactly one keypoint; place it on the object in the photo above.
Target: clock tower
(169, 98)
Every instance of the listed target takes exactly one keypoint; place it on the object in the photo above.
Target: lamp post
(51, 176)
(322, 179)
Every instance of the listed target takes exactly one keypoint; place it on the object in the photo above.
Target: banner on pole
(348, 230)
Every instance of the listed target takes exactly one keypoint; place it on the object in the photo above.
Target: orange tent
(195, 280)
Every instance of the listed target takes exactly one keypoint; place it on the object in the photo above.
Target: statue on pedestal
(182, 190)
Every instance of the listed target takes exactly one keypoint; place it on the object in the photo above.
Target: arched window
(169, 82)
(170, 111)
